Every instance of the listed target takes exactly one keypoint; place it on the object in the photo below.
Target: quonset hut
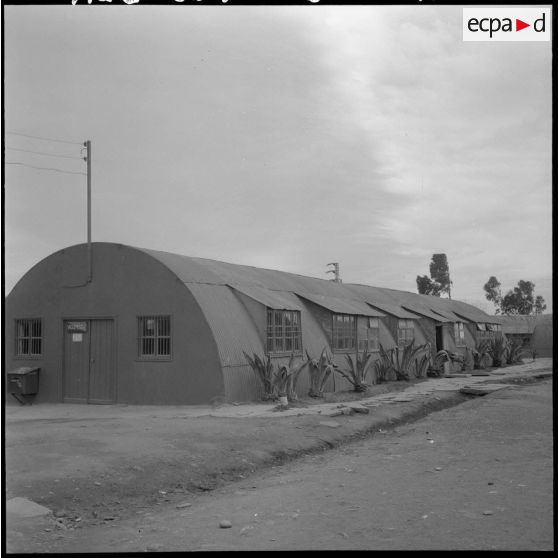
(149, 327)
(534, 332)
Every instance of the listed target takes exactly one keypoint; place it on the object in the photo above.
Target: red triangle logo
(519, 25)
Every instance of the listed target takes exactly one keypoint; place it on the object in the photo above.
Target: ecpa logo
(506, 24)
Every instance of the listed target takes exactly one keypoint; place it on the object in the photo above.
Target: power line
(45, 168)
(44, 138)
(43, 153)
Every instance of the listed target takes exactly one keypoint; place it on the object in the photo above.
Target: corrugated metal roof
(472, 313)
(342, 305)
(423, 311)
(385, 300)
(455, 310)
(259, 282)
(449, 315)
(394, 310)
(520, 328)
(273, 299)
(223, 310)
(519, 324)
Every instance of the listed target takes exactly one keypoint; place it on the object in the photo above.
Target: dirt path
(475, 476)
(96, 464)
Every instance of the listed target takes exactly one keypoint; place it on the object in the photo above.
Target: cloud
(287, 138)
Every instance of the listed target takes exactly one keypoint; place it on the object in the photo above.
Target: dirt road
(475, 476)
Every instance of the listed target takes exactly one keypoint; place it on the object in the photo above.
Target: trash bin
(23, 382)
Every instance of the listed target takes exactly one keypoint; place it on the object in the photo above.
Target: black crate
(23, 381)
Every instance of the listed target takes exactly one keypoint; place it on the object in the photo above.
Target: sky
(283, 137)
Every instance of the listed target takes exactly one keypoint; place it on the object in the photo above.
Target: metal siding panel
(543, 339)
(241, 384)
(231, 325)
(303, 384)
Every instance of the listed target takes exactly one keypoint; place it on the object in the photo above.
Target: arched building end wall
(126, 284)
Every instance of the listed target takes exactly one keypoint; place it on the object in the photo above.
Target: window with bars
(154, 337)
(459, 333)
(405, 332)
(344, 331)
(28, 337)
(372, 335)
(284, 333)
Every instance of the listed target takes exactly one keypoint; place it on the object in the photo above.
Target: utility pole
(335, 270)
(87, 145)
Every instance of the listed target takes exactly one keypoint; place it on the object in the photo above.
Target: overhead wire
(44, 138)
(44, 168)
(43, 153)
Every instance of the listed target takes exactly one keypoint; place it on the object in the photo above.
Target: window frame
(156, 338)
(459, 334)
(283, 332)
(343, 332)
(405, 332)
(373, 342)
(485, 332)
(28, 338)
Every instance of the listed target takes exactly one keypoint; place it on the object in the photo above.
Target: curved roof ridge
(196, 270)
(202, 261)
(190, 269)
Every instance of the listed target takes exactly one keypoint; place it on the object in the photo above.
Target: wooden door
(76, 361)
(89, 361)
(102, 381)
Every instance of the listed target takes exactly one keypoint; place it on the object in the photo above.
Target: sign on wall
(76, 326)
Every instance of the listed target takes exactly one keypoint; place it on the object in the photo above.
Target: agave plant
(480, 354)
(436, 368)
(402, 359)
(358, 370)
(515, 351)
(320, 370)
(263, 368)
(423, 364)
(295, 370)
(383, 366)
(432, 366)
(286, 378)
(281, 380)
(497, 350)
